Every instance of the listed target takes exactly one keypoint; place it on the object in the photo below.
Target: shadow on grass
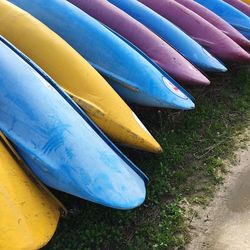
(194, 142)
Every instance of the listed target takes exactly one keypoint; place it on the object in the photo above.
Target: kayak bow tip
(215, 66)
(199, 80)
(125, 195)
(184, 104)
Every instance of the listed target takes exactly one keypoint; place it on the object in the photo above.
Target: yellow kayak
(28, 213)
(87, 87)
(246, 1)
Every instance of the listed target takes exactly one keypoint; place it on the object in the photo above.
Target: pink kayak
(217, 21)
(143, 38)
(215, 41)
(243, 7)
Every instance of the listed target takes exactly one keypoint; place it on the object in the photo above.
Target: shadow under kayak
(58, 141)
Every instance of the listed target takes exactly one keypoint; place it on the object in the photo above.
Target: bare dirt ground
(225, 224)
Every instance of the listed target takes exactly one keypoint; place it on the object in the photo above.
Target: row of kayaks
(67, 70)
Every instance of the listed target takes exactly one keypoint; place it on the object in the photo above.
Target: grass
(195, 144)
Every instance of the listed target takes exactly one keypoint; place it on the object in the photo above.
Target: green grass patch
(195, 144)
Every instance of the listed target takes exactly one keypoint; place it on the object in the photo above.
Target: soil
(225, 224)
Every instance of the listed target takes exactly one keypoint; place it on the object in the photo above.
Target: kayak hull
(108, 53)
(212, 39)
(58, 141)
(148, 42)
(246, 1)
(242, 6)
(29, 215)
(78, 78)
(218, 22)
(230, 14)
(171, 34)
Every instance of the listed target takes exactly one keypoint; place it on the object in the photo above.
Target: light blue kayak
(58, 141)
(179, 40)
(233, 16)
(135, 77)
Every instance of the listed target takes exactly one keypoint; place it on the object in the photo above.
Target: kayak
(29, 214)
(246, 1)
(236, 18)
(216, 42)
(87, 87)
(143, 38)
(243, 7)
(217, 21)
(58, 141)
(135, 77)
(174, 36)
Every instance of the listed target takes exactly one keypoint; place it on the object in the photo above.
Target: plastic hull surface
(230, 14)
(142, 37)
(240, 5)
(246, 1)
(29, 215)
(58, 141)
(76, 76)
(217, 21)
(215, 41)
(179, 40)
(132, 74)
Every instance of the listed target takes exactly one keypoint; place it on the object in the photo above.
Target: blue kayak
(58, 141)
(135, 77)
(233, 16)
(179, 40)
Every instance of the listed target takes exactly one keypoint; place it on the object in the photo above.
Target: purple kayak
(243, 7)
(217, 21)
(215, 41)
(143, 38)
